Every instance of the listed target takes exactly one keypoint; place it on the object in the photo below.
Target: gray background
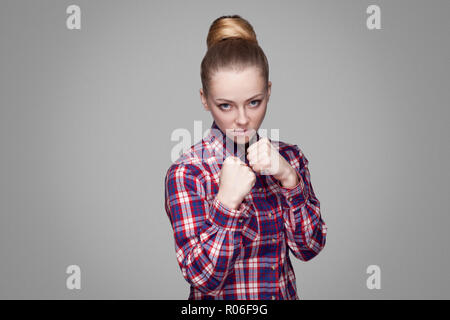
(86, 119)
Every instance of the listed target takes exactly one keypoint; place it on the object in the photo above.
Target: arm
(304, 227)
(207, 236)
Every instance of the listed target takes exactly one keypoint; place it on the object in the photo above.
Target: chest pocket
(269, 205)
(263, 207)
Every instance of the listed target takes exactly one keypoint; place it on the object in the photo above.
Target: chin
(241, 139)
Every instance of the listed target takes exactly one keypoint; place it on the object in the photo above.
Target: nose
(242, 119)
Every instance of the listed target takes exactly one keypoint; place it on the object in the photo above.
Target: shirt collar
(225, 147)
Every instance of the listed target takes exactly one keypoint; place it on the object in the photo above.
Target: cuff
(229, 219)
(295, 196)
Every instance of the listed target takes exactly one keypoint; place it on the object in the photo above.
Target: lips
(240, 132)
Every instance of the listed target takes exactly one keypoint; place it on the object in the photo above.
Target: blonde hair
(232, 44)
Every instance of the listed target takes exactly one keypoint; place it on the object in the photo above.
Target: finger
(259, 148)
(236, 160)
(230, 159)
(254, 146)
(261, 142)
(263, 156)
(257, 168)
(254, 154)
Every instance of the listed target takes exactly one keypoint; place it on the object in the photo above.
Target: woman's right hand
(235, 182)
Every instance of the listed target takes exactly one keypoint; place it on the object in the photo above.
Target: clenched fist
(236, 181)
(264, 158)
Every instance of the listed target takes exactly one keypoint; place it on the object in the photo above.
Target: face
(237, 101)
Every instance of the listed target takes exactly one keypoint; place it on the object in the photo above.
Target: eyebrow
(256, 95)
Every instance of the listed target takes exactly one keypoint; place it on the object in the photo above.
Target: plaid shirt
(240, 253)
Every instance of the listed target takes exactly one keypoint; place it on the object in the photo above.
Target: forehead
(236, 84)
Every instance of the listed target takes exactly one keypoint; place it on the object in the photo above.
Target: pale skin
(238, 100)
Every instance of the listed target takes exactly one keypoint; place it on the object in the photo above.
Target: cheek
(222, 118)
(259, 113)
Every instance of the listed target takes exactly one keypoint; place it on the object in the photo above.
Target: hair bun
(230, 27)
(240, 50)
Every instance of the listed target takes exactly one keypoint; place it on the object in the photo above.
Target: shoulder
(184, 171)
(190, 163)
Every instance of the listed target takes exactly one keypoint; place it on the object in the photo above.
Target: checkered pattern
(241, 253)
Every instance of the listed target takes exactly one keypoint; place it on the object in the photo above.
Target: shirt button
(240, 220)
(274, 240)
(273, 267)
(273, 297)
(270, 215)
(290, 198)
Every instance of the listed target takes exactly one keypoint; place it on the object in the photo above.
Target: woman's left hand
(264, 158)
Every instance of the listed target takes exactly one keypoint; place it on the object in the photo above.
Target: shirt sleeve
(305, 229)
(208, 235)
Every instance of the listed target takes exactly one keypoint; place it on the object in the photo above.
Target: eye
(227, 107)
(221, 106)
(255, 105)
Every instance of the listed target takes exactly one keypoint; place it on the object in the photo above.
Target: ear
(269, 89)
(203, 99)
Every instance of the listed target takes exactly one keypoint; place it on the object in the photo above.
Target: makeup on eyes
(249, 99)
(253, 106)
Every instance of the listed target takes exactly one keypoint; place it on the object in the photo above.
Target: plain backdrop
(86, 118)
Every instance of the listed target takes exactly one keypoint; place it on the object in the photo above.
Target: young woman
(237, 208)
